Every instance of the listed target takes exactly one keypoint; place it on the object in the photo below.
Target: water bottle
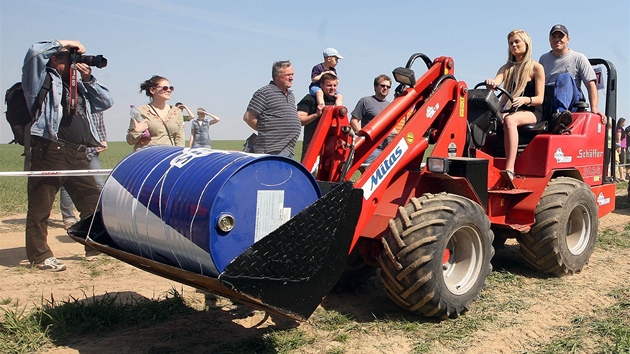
(137, 116)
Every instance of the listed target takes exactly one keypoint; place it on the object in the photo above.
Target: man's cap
(201, 110)
(332, 52)
(559, 28)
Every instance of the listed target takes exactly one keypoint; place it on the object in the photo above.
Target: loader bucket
(287, 271)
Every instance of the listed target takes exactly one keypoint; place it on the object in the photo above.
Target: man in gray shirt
(369, 107)
(273, 114)
(566, 70)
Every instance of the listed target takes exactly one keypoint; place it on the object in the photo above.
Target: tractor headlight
(437, 164)
(405, 76)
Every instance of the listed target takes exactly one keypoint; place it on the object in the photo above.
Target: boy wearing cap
(331, 59)
(564, 70)
(200, 129)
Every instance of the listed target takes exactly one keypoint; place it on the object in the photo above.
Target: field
(110, 307)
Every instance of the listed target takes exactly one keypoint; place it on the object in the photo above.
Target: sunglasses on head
(165, 88)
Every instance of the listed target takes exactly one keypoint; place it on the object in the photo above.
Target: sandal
(508, 178)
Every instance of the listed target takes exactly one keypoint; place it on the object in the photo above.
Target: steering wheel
(501, 92)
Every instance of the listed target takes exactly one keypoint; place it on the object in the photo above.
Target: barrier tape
(61, 173)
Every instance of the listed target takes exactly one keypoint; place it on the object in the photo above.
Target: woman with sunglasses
(524, 79)
(164, 122)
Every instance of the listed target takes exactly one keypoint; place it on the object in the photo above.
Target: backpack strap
(46, 87)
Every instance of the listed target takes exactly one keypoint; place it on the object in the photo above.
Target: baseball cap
(332, 52)
(559, 28)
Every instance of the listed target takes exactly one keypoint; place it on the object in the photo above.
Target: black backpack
(18, 115)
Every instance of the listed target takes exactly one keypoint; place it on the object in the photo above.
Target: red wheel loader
(426, 212)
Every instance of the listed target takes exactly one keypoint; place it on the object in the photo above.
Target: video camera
(98, 61)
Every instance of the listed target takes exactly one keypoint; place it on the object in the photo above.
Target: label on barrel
(270, 212)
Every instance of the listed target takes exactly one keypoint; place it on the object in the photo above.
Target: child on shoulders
(331, 59)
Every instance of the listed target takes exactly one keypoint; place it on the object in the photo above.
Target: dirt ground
(606, 271)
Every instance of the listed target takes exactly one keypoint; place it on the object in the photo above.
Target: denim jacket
(47, 119)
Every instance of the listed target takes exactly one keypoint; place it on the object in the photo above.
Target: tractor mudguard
(288, 272)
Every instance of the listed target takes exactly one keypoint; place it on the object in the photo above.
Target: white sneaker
(51, 264)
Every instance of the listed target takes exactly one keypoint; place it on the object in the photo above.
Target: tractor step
(513, 191)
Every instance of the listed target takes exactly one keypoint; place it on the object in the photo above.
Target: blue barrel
(199, 209)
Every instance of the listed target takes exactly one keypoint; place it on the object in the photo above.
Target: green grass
(613, 239)
(13, 196)
(55, 322)
(21, 332)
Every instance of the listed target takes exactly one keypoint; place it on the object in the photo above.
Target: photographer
(63, 128)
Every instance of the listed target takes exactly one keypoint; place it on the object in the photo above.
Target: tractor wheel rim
(465, 253)
(578, 229)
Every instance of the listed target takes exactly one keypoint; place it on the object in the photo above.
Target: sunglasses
(385, 86)
(165, 88)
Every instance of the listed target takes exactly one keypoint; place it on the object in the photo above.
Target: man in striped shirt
(273, 114)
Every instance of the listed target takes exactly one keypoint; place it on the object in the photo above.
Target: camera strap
(72, 91)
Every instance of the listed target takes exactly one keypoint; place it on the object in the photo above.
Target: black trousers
(51, 156)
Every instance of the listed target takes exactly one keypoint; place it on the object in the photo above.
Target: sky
(217, 53)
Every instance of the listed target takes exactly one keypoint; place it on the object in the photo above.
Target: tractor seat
(581, 105)
(527, 132)
(485, 119)
(536, 127)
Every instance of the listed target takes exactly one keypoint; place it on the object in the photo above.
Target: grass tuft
(287, 341)
(60, 321)
(614, 239)
(330, 320)
(21, 332)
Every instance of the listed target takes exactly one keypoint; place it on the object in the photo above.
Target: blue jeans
(286, 153)
(566, 93)
(377, 151)
(66, 206)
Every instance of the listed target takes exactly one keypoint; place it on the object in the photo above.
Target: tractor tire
(436, 255)
(563, 236)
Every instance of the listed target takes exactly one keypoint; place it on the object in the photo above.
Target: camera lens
(98, 61)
